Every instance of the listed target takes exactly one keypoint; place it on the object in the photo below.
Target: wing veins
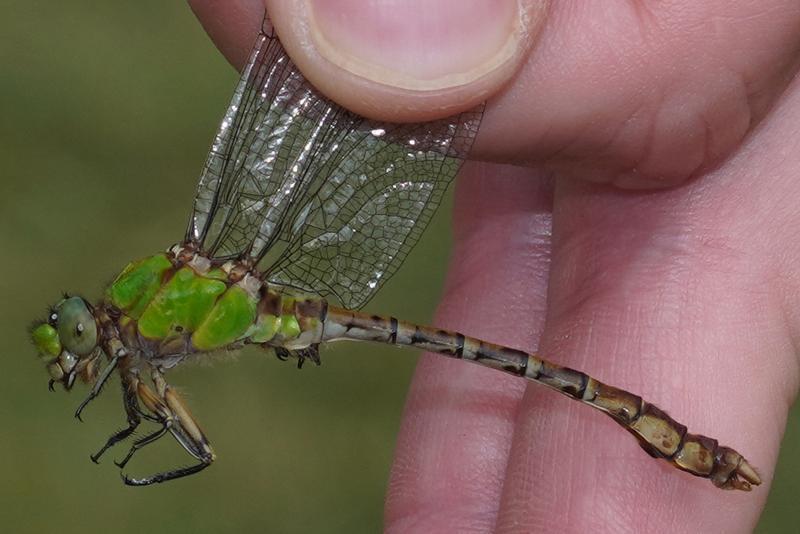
(347, 198)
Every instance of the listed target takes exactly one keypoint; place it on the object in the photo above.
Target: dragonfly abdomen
(658, 434)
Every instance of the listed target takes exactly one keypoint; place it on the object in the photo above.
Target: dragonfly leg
(178, 421)
(117, 349)
(309, 353)
(134, 419)
(152, 402)
(282, 354)
(146, 440)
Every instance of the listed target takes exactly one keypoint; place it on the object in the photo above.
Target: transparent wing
(353, 233)
(334, 201)
(277, 132)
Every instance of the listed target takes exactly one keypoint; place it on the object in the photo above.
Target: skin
(646, 234)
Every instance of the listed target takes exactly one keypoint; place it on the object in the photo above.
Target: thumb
(406, 61)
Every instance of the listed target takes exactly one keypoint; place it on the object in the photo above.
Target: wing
(334, 202)
(276, 133)
(353, 233)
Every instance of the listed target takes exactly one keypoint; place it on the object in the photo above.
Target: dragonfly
(303, 210)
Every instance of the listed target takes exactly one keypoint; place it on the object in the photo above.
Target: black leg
(167, 475)
(176, 419)
(115, 438)
(139, 443)
(146, 416)
(309, 353)
(132, 409)
(282, 354)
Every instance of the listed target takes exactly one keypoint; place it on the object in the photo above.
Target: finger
(458, 421)
(396, 61)
(639, 94)
(644, 94)
(407, 61)
(689, 299)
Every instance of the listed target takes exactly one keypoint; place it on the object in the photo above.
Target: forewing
(277, 133)
(333, 200)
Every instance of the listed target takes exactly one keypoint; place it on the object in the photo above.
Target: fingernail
(420, 45)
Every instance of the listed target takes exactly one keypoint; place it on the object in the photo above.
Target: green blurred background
(108, 109)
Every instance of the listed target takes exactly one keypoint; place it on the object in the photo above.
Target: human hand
(649, 240)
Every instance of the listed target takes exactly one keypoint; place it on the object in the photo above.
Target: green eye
(77, 329)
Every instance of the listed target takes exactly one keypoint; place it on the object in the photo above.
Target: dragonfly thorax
(177, 303)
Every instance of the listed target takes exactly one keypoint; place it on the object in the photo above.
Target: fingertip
(410, 61)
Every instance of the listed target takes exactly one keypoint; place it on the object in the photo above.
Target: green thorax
(172, 301)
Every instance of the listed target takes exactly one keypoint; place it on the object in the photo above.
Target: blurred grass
(107, 112)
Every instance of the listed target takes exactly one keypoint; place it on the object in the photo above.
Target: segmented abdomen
(658, 434)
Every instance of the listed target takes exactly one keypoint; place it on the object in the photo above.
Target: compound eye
(77, 329)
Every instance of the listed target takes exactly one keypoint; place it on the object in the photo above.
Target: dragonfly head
(68, 340)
